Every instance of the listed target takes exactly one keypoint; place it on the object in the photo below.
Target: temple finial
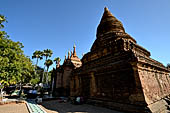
(74, 46)
(68, 54)
(106, 9)
(74, 51)
(71, 53)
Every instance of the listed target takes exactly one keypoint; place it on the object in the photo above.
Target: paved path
(13, 108)
(34, 107)
(54, 107)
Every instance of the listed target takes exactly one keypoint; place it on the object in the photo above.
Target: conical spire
(109, 23)
(68, 55)
(71, 53)
(65, 57)
(74, 50)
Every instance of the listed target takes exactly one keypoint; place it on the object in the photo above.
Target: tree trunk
(37, 63)
(52, 87)
(36, 66)
(43, 75)
(1, 94)
(47, 76)
(44, 71)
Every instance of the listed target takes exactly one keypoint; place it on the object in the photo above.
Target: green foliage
(48, 63)
(34, 81)
(47, 53)
(168, 65)
(2, 19)
(14, 65)
(37, 55)
(57, 60)
(36, 78)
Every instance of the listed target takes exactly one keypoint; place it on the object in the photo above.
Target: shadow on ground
(67, 107)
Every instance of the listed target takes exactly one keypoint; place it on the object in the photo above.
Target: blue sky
(58, 24)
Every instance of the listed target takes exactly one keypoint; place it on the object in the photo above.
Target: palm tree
(46, 53)
(57, 61)
(38, 55)
(48, 63)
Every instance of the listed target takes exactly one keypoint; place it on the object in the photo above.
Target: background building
(62, 74)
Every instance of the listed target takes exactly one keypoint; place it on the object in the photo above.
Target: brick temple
(117, 72)
(62, 74)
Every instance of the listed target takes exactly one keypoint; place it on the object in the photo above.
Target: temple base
(160, 106)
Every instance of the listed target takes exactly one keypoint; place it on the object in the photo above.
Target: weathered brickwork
(119, 74)
(62, 74)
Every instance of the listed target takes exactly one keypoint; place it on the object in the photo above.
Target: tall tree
(46, 53)
(15, 67)
(48, 63)
(57, 61)
(38, 55)
(38, 76)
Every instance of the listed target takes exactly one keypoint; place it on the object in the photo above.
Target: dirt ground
(54, 106)
(14, 108)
